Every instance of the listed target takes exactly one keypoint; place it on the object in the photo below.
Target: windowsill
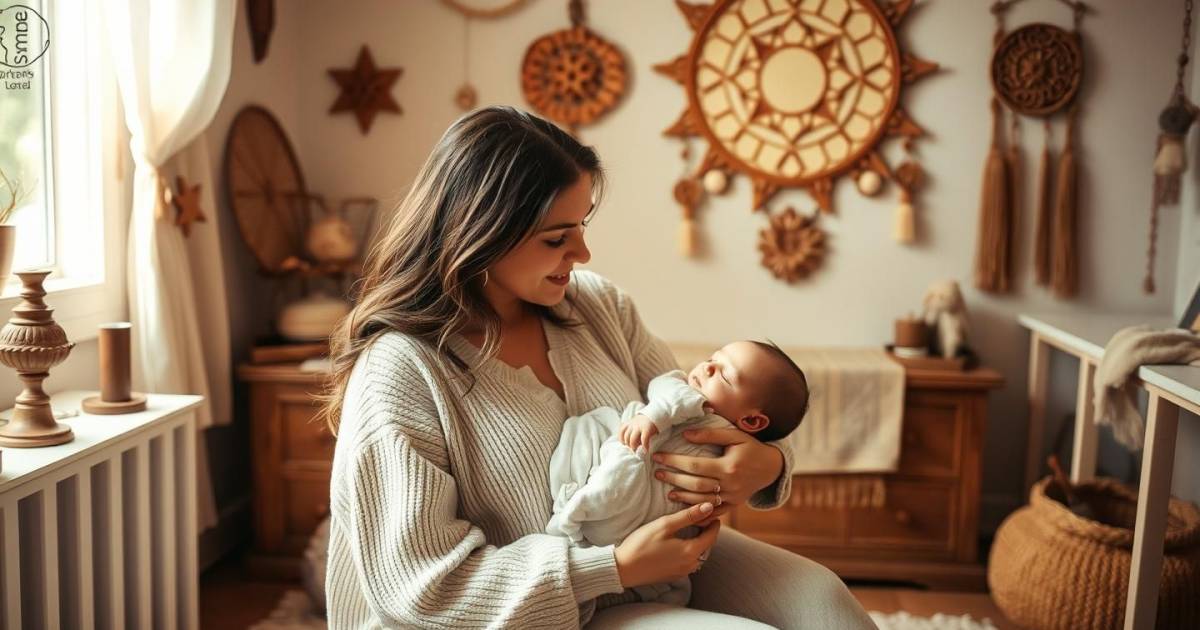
(78, 303)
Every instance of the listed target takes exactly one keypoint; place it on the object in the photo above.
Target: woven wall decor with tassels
(1036, 70)
(794, 94)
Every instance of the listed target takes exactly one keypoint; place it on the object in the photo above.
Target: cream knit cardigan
(438, 497)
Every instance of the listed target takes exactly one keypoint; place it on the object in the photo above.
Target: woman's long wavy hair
(484, 190)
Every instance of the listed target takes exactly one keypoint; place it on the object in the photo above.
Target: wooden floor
(229, 600)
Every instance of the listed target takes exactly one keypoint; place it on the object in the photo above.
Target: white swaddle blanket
(603, 490)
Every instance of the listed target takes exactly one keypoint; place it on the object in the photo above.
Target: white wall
(867, 281)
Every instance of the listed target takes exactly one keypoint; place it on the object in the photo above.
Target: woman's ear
(753, 423)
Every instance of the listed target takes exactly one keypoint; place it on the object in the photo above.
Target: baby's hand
(637, 432)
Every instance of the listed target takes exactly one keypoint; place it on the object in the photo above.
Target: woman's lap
(745, 584)
(653, 616)
(748, 578)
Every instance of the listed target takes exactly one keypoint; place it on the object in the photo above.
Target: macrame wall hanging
(1170, 159)
(573, 76)
(793, 94)
(467, 97)
(1036, 71)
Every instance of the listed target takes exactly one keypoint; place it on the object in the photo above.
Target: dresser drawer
(918, 515)
(931, 435)
(793, 524)
(303, 437)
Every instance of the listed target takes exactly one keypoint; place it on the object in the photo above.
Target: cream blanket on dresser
(855, 412)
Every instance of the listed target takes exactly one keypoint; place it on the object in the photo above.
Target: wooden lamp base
(32, 427)
(96, 406)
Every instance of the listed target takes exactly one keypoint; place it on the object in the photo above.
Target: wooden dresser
(293, 455)
(928, 530)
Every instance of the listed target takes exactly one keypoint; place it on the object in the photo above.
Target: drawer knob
(903, 517)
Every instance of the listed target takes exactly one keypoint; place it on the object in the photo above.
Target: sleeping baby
(601, 477)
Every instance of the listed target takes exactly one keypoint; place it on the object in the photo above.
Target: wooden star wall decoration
(186, 200)
(366, 90)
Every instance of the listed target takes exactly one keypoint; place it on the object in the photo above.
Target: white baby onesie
(603, 490)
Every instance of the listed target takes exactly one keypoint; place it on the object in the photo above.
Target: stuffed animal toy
(947, 313)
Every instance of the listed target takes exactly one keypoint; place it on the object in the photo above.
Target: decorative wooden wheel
(263, 183)
(573, 76)
(793, 246)
(794, 93)
(1037, 69)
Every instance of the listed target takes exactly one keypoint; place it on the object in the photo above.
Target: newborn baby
(601, 477)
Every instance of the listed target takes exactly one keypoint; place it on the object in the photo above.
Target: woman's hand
(746, 467)
(652, 554)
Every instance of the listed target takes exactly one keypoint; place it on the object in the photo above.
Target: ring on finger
(719, 501)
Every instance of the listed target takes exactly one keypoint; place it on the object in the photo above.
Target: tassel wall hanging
(1036, 70)
(1170, 159)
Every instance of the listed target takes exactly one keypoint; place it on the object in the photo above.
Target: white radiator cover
(101, 532)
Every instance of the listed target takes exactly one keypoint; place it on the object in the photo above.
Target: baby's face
(732, 380)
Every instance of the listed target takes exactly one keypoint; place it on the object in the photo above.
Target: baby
(601, 477)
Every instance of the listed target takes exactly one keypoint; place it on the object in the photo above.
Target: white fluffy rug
(904, 621)
(295, 612)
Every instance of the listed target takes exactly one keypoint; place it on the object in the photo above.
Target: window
(60, 131)
(24, 133)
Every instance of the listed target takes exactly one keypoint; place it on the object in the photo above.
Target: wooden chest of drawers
(293, 455)
(927, 532)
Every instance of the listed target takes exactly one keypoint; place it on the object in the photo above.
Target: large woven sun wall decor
(795, 94)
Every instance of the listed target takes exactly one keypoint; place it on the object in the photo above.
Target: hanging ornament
(1036, 70)
(793, 246)
(1170, 159)
(794, 94)
(573, 76)
(467, 97)
(869, 183)
(716, 181)
(909, 178)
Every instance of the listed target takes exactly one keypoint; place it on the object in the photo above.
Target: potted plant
(8, 233)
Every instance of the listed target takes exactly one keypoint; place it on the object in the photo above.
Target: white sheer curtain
(172, 62)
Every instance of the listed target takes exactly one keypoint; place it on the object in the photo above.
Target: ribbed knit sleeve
(401, 554)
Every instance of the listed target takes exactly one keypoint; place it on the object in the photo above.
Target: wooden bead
(716, 181)
(869, 183)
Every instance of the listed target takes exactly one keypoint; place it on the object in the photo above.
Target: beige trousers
(747, 584)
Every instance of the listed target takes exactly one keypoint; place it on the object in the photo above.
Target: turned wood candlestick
(32, 343)
(116, 389)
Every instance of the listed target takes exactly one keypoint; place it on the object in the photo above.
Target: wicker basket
(1050, 568)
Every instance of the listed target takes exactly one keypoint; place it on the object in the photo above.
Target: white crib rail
(101, 532)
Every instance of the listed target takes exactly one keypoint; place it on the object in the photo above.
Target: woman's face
(539, 269)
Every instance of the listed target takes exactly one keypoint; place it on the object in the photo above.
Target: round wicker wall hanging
(573, 76)
(1037, 69)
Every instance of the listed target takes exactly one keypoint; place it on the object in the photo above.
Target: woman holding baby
(473, 339)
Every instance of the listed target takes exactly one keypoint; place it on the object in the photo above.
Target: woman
(474, 338)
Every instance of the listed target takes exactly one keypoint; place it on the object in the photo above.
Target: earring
(485, 277)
